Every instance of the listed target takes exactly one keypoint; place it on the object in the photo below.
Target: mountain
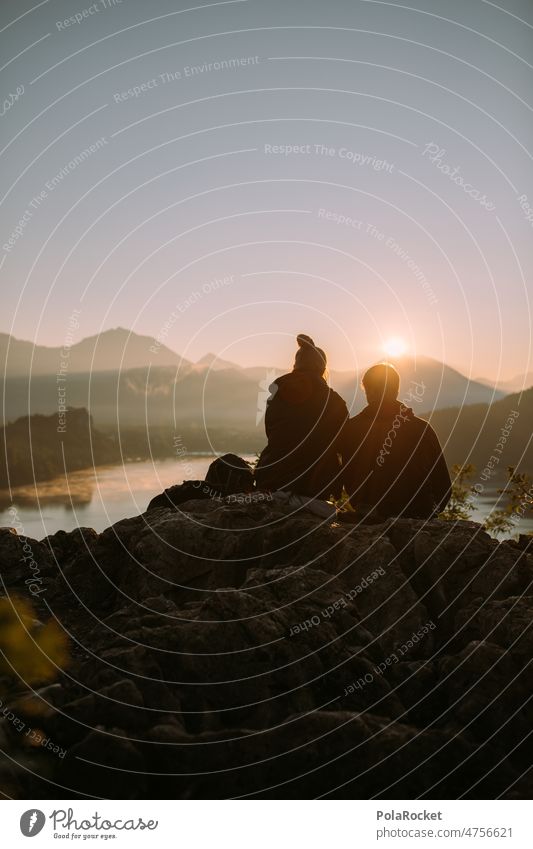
(111, 350)
(142, 397)
(476, 433)
(212, 362)
(514, 384)
(127, 379)
(425, 384)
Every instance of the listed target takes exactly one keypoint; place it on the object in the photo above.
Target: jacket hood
(299, 386)
(299, 376)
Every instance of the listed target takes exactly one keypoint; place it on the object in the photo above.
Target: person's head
(381, 383)
(230, 474)
(309, 357)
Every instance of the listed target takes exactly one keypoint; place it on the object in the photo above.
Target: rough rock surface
(233, 650)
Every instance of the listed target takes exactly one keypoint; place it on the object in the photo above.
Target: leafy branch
(517, 496)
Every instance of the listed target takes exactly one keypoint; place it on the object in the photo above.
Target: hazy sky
(225, 175)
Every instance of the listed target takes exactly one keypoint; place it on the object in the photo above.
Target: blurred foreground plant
(31, 654)
(29, 651)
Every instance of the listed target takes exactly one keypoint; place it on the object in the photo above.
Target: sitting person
(392, 461)
(303, 422)
(225, 476)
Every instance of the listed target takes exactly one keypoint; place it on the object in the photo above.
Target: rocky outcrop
(233, 650)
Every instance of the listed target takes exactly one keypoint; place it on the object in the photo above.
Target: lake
(97, 498)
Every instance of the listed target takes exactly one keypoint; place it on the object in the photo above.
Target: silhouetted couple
(388, 460)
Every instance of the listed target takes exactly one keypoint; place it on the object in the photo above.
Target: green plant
(342, 502)
(518, 494)
(254, 461)
(460, 505)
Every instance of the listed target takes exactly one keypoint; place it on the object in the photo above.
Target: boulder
(244, 650)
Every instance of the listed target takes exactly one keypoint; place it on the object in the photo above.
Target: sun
(395, 346)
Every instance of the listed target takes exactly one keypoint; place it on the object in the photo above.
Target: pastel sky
(230, 174)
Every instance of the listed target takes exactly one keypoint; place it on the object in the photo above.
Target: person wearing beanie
(303, 422)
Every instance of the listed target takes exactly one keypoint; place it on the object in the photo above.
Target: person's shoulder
(360, 417)
(333, 393)
(420, 421)
(423, 427)
(295, 387)
(336, 399)
(355, 424)
(287, 382)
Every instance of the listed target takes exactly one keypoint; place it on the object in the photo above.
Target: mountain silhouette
(112, 350)
(425, 384)
(471, 434)
(212, 361)
(122, 377)
(509, 385)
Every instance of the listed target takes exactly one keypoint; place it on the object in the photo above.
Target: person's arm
(340, 419)
(272, 403)
(348, 447)
(439, 482)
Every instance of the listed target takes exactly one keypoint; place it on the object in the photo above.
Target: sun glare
(395, 346)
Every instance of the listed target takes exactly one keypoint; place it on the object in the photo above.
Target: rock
(495, 692)
(241, 650)
(23, 560)
(86, 769)
(506, 622)
(64, 545)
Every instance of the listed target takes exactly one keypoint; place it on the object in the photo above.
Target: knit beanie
(308, 356)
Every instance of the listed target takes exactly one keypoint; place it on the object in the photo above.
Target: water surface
(97, 498)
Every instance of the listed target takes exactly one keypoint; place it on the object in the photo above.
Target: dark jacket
(393, 463)
(303, 423)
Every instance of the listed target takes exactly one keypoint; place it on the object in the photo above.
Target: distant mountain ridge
(471, 434)
(518, 383)
(426, 384)
(122, 377)
(211, 361)
(112, 350)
